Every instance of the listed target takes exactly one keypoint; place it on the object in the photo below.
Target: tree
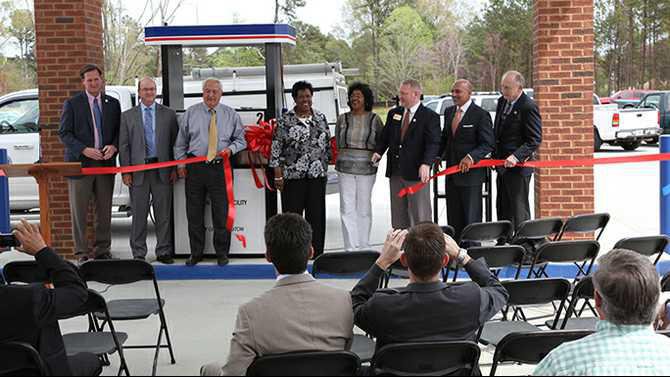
(368, 17)
(498, 40)
(19, 30)
(286, 9)
(405, 34)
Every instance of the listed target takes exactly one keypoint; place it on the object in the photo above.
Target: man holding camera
(36, 308)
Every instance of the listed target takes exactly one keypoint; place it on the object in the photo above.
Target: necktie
(457, 120)
(97, 113)
(508, 108)
(149, 133)
(213, 137)
(405, 125)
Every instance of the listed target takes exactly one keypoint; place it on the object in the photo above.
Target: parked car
(626, 99)
(486, 100)
(661, 102)
(623, 127)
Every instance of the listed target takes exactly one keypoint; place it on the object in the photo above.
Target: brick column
(564, 79)
(68, 35)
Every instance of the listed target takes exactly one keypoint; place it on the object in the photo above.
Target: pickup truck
(623, 127)
(19, 134)
(659, 101)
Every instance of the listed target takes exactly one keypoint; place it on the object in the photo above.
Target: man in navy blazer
(89, 129)
(412, 138)
(467, 138)
(518, 129)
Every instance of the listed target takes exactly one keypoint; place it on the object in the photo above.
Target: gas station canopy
(220, 35)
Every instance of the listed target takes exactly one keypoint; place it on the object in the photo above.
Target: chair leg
(169, 342)
(158, 349)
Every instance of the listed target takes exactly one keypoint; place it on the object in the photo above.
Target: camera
(8, 240)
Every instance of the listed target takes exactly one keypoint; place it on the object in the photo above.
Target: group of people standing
(94, 131)
(415, 146)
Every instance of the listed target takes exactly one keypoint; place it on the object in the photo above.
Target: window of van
(21, 116)
(490, 104)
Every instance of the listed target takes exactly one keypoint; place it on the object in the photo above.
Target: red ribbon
(232, 211)
(541, 164)
(259, 143)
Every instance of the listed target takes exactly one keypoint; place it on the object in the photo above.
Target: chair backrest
(539, 229)
(482, 232)
(531, 348)
(499, 256)
(569, 251)
(21, 359)
(344, 263)
(449, 230)
(27, 272)
(583, 291)
(117, 272)
(647, 246)
(665, 283)
(537, 291)
(427, 359)
(337, 363)
(95, 303)
(586, 224)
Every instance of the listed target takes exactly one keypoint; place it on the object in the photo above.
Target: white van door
(19, 135)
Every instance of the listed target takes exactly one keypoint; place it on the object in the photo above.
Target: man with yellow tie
(214, 130)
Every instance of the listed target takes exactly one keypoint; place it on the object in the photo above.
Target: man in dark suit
(148, 135)
(30, 313)
(90, 131)
(412, 137)
(467, 138)
(518, 129)
(427, 309)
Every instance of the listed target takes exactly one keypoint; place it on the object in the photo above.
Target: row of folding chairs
(423, 359)
(101, 314)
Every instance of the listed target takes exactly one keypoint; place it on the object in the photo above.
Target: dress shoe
(192, 261)
(223, 261)
(140, 258)
(165, 259)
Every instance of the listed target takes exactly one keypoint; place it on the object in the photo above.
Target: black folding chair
(583, 291)
(427, 359)
(523, 293)
(121, 272)
(499, 232)
(582, 253)
(531, 348)
(647, 246)
(585, 224)
(536, 230)
(344, 264)
(337, 363)
(496, 257)
(533, 234)
(24, 272)
(95, 340)
(398, 270)
(665, 283)
(21, 359)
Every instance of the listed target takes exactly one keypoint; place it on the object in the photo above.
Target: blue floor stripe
(267, 272)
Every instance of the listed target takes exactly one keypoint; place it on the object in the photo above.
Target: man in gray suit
(298, 314)
(148, 133)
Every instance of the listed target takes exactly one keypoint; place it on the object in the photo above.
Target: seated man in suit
(427, 309)
(298, 314)
(35, 309)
